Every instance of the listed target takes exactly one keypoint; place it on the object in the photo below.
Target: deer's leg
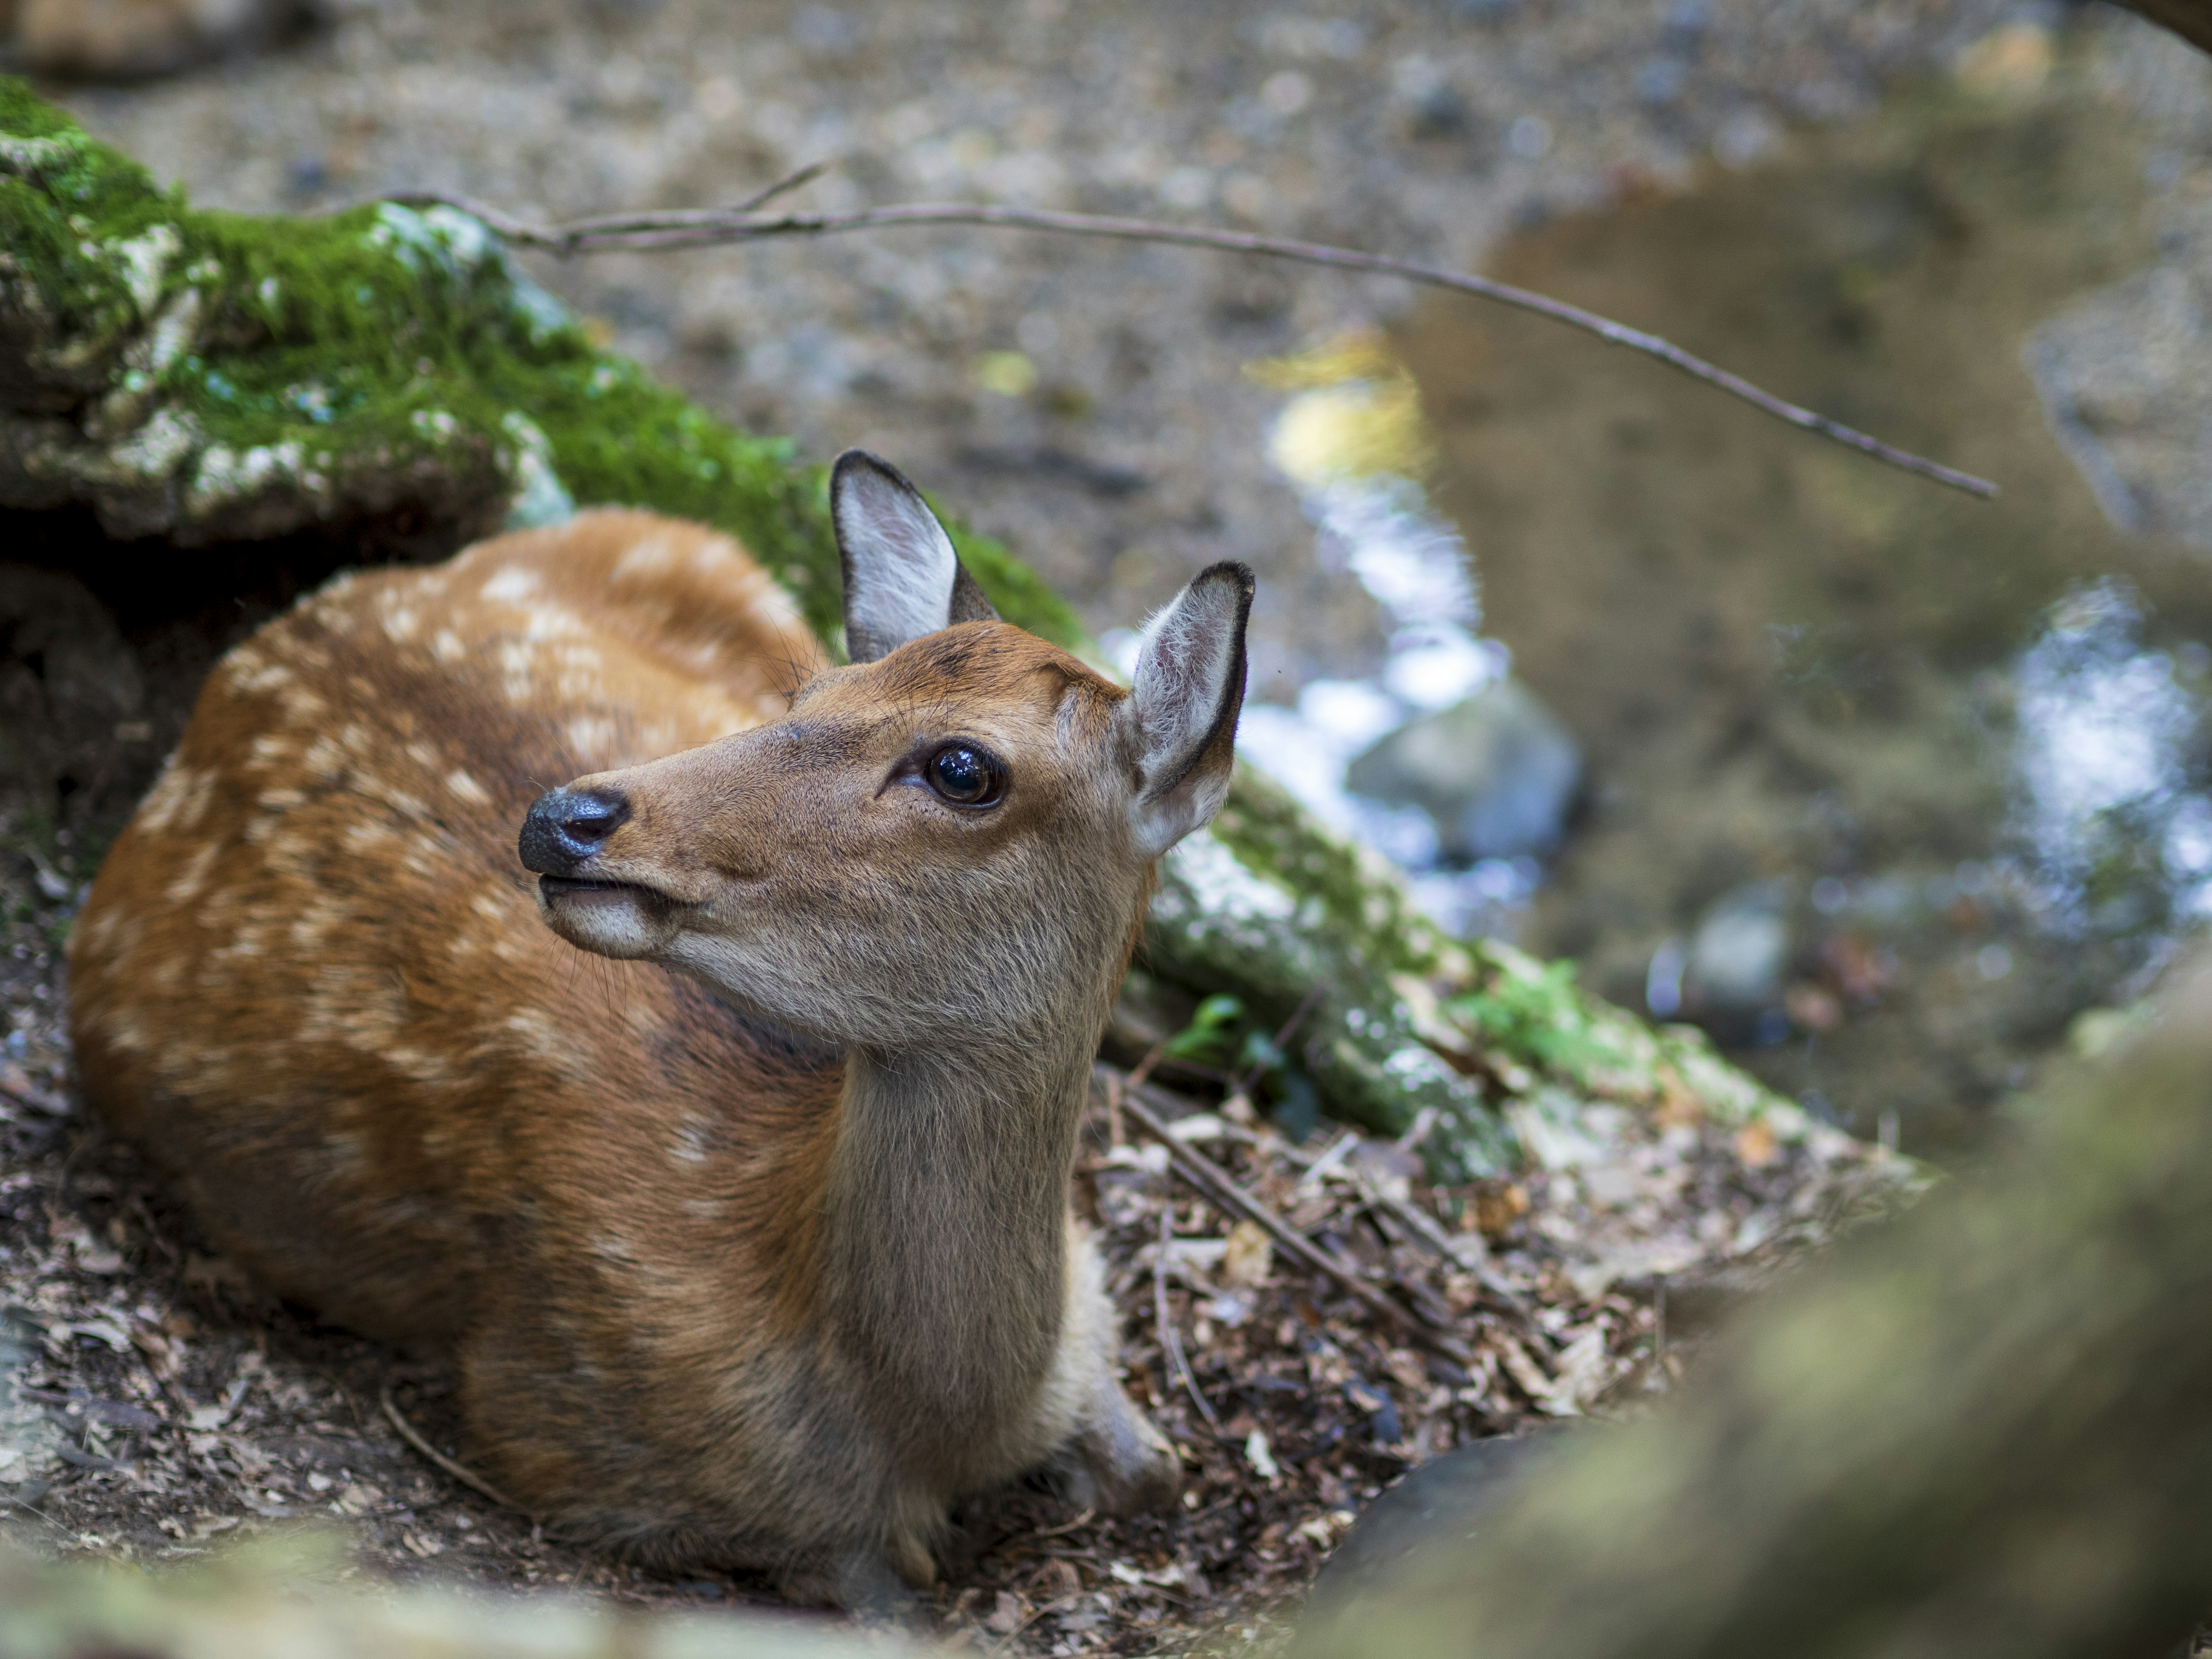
(1114, 1459)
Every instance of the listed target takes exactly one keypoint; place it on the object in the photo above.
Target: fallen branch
(1216, 1182)
(713, 227)
(460, 1472)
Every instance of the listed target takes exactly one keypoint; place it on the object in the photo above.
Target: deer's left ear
(902, 577)
(1181, 718)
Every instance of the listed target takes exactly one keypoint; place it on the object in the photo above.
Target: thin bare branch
(459, 1471)
(712, 227)
(783, 186)
(1219, 1185)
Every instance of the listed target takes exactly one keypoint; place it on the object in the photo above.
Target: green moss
(405, 336)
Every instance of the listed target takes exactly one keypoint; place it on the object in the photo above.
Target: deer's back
(312, 980)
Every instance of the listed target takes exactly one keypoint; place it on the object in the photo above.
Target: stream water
(1886, 787)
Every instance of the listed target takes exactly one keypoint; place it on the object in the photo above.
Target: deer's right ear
(1181, 715)
(902, 577)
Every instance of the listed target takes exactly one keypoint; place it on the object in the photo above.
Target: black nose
(566, 826)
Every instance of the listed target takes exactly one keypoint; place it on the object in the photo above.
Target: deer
(716, 1109)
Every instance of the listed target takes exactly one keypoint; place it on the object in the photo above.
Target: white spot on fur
(446, 645)
(647, 558)
(511, 584)
(191, 877)
(548, 622)
(591, 737)
(324, 758)
(250, 673)
(179, 798)
(467, 788)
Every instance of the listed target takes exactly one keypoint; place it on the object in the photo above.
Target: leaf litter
(155, 1407)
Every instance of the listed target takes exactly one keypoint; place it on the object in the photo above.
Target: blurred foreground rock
(277, 1603)
(1983, 1431)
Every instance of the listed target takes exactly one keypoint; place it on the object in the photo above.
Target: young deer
(750, 1228)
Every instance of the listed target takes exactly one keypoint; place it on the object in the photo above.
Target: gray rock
(2125, 376)
(1740, 951)
(1445, 1503)
(1496, 773)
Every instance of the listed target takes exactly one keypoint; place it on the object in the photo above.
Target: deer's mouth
(572, 886)
(623, 919)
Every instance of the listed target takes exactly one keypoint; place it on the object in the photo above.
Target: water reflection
(1888, 790)
(1352, 441)
(2117, 827)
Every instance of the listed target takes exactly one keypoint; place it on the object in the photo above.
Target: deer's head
(956, 832)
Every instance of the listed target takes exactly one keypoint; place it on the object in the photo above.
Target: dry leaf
(1250, 1257)
(1678, 1109)
(1497, 1208)
(1755, 1145)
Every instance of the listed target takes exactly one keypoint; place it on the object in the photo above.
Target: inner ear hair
(902, 578)
(1190, 677)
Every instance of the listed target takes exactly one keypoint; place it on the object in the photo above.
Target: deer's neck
(943, 1237)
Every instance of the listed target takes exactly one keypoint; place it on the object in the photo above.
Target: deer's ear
(1181, 718)
(901, 578)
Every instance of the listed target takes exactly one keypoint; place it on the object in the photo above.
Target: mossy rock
(203, 377)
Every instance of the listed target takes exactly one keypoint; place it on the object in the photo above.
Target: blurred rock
(130, 39)
(70, 687)
(2126, 381)
(1445, 1498)
(1739, 953)
(1496, 773)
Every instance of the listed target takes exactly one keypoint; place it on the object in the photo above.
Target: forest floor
(155, 1407)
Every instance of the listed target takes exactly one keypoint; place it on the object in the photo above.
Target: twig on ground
(460, 1472)
(1144, 1067)
(1424, 1124)
(710, 227)
(24, 1092)
(1327, 1164)
(1006, 1646)
(1210, 1178)
(1423, 1226)
(1076, 1525)
(1172, 1353)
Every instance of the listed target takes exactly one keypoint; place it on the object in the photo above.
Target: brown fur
(762, 1261)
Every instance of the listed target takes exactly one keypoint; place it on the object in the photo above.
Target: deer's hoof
(1141, 1473)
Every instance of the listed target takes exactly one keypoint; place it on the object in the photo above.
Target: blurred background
(1896, 793)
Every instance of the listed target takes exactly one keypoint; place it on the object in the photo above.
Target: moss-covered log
(197, 377)
(1982, 1432)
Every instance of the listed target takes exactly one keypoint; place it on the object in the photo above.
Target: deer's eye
(964, 775)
